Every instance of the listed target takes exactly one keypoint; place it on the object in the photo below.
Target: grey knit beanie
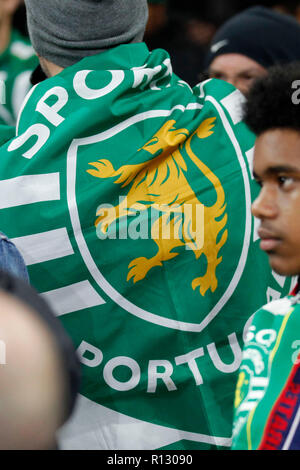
(65, 31)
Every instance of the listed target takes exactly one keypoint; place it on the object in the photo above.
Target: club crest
(184, 213)
(162, 183)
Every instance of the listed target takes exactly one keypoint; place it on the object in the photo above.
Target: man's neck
(49, 68)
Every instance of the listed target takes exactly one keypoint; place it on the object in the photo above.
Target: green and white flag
(129, 196)
(16, 65)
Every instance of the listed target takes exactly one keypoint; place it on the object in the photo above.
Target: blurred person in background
(158, 16)
(249, 43)
(39, 370)
(17, 60)
(290, 7)
(184, 31)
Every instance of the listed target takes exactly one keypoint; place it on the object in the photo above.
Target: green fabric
(158, 323)
(270, 354)
(6, 133)
(16, 65)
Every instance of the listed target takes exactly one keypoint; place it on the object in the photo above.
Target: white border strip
(234, 105)
(26, 99)
(73, 298)
(29, 189)
(44, 246)
(250, 157)
(94, 427)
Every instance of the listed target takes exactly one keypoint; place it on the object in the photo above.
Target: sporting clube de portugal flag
(128, 194)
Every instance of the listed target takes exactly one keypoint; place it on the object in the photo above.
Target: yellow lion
(161, 183)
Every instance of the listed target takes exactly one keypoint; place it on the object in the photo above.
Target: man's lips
(269, 240)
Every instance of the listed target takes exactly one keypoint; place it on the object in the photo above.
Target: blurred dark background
(185, 28)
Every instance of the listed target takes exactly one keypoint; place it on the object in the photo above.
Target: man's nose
(265, 205)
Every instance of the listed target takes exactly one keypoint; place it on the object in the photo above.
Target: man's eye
(285, 181)
(218, 75)
(247, 77)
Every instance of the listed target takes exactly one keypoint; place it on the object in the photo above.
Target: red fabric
(295, 290)
(281, 418)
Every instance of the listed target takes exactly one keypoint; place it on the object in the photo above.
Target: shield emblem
(119, 289)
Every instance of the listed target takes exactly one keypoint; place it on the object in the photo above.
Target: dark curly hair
(274, 101)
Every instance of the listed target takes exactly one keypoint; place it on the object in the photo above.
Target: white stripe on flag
(44, 246)
(256, 394)
(278, 307)
(256, 225)
(95, 427)
(72, 298)
(234, 105)
(250, 156)
(247, 406)
(259, 381)
(280, 279)
(29, 189)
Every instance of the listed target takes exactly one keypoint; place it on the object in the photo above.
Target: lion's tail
(220, 203)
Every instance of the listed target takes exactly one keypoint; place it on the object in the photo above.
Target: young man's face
(277, 170)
